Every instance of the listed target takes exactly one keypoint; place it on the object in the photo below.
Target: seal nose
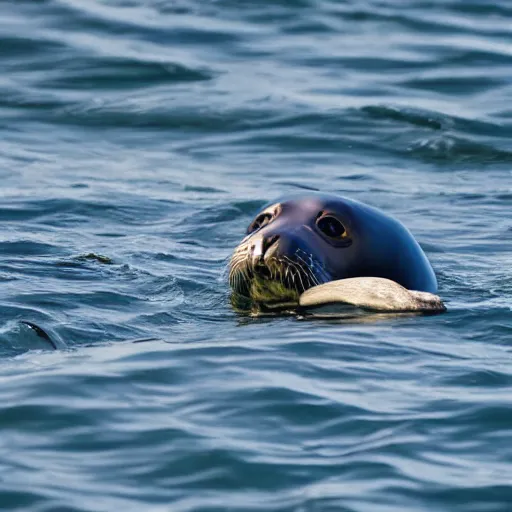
(263, 247)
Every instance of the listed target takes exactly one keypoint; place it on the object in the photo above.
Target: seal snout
(261, 249)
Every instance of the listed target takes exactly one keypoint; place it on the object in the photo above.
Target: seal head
(304, 241)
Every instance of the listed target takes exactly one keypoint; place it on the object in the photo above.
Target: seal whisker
(298, 273)
(315, 265)
(238, 275)
(308, 269)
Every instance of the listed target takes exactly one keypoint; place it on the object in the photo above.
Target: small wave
(407, 115)
(456, 140)
(117, 74)
(453, 149)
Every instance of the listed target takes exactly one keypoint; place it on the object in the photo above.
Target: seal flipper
(374, 294)
(40, 332)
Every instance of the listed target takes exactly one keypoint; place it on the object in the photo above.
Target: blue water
(137, 139)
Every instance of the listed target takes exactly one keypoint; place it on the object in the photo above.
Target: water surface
(149, 133)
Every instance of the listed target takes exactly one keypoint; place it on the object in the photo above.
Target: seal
(301, 242)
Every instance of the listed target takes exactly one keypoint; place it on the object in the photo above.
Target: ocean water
(137, 140)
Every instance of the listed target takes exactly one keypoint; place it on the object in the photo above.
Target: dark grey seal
(302, 243)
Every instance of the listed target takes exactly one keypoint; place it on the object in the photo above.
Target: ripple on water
(138, 139)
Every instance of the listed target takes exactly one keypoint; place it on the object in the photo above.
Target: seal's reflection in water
(336, 313)
(346, 313)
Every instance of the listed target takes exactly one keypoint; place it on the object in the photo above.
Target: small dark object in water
(96, 257)
(40, 332)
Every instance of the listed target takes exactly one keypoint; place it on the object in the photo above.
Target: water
(137, 139)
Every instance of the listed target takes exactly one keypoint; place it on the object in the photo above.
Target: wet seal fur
(313, 249)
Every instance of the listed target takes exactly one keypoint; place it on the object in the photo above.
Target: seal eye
(330, 226)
